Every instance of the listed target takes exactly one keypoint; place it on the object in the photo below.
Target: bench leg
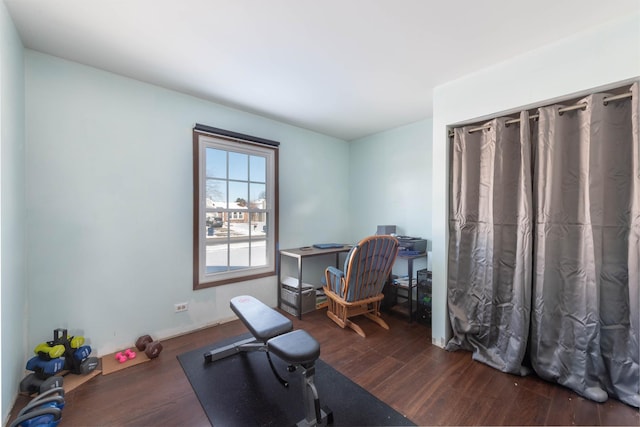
(314, 414)
(249, 344)
(246, 345)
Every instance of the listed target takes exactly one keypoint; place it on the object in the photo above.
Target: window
(235, 207)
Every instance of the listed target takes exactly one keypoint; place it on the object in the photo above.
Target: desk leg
(279, 275)
(300, 288)
(410, 271)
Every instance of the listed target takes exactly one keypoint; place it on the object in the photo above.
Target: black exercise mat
(241, 390)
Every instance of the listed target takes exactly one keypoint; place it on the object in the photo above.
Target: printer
(413, 244)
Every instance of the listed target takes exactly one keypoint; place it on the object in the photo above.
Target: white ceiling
(345, 68)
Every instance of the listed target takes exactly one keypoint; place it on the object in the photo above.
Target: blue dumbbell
(45, 368)
(82, 353)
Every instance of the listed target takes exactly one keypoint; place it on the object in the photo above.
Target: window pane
(258, 196)
(215, 227)
(258, 253)
(238, 166)
(216, 163)
(258, 167)
(238, 224)
(219, 234)
(265, 224)
(258, 225)
(216, 257)
(239, 255)
(216, 193)
(238, 194)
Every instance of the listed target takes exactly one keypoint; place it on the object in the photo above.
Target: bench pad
(262, 321)
(297, 347)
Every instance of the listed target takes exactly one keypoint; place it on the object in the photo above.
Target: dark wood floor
(401, 367)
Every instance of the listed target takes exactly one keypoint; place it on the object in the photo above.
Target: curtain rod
(580, 106)
(235, 135)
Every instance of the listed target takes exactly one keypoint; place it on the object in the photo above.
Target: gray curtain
(578, 260)
(586, 249)
(490, 252)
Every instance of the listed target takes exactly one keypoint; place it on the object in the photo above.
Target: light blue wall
(602, 56)
(109, 202)
(13, 297)
(390, 183)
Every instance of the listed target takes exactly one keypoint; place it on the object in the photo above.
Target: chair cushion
(335, 281)
(376, 255)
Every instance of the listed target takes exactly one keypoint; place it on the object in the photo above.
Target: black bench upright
(272, 333)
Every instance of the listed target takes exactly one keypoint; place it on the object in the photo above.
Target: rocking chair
(358, 289)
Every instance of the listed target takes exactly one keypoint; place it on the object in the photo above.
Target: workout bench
(273, 333)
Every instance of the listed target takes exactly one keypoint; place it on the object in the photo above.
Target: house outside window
(235, 207)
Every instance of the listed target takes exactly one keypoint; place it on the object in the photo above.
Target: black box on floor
(424, 296)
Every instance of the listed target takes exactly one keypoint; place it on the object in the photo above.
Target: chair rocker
(358, 289)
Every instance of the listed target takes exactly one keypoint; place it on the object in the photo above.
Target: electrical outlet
(181, 306)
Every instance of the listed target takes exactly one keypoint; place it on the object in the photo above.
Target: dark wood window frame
(205, 134)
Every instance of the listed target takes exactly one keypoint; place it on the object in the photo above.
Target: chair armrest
(334, 280)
